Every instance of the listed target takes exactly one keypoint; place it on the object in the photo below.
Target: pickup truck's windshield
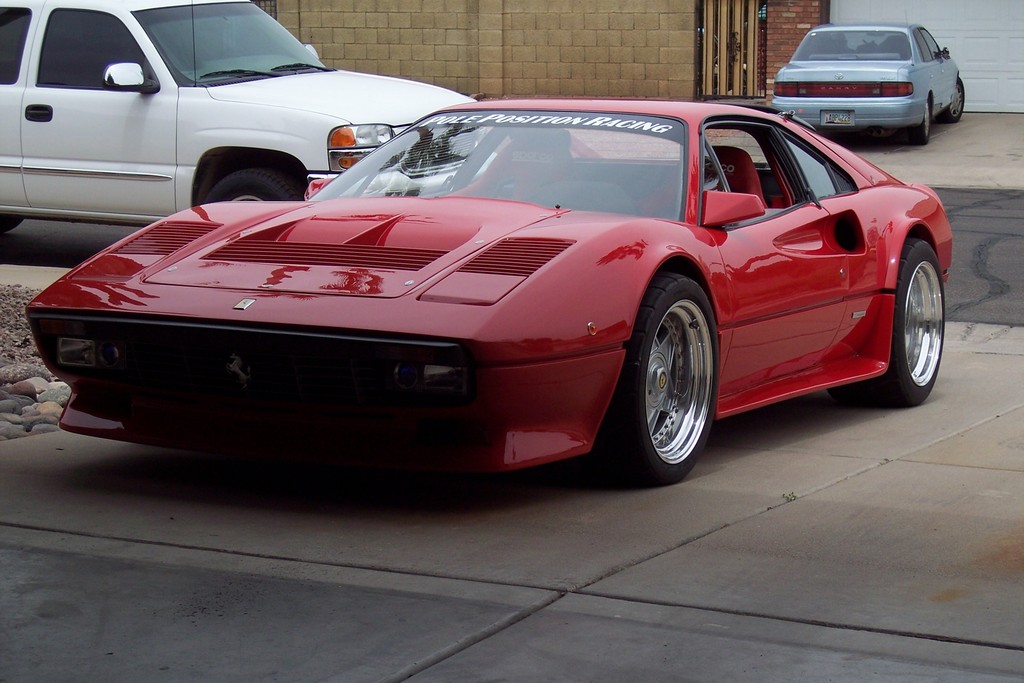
(224, 43)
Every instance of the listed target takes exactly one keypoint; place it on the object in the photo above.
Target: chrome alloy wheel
(923, 328)
(680, 377)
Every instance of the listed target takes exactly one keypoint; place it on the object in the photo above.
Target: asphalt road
(986, 284)
(987, 281)
(57, 244)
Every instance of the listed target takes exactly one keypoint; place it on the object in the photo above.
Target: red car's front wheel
(661, 415)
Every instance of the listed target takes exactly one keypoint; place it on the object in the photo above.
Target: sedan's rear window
(853, 45)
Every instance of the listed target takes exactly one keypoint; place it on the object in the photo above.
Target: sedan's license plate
(837, 118)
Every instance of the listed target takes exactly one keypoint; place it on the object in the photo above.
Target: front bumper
(326, 396)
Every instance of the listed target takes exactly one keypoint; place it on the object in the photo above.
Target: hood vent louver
(520, 257)
(166, 238)
(330, 255)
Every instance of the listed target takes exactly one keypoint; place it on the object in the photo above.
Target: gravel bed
(31, 398)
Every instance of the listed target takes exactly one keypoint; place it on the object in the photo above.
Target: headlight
(426, 378)
(348, 144)
(89, 353)
(79, 352)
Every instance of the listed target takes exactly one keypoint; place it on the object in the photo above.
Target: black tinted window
(13, 29)
(79, 45)
(823, 178)
(922, 47)
(933, 46)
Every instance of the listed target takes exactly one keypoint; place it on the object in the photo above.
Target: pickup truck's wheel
(660, 416)
(255, 184)
(9, 223)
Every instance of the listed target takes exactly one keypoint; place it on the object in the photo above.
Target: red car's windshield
(575, 160)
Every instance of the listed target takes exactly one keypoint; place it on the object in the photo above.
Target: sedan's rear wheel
(918, 330)
(920, 133)
(661, 414)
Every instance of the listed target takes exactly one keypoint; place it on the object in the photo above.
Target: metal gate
(731, 40)
(268, 6)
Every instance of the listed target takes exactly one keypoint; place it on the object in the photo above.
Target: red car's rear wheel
(918, 330)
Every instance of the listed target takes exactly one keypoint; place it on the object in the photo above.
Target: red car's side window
(748, 163)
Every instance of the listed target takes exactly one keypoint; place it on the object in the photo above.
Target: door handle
(39, 112)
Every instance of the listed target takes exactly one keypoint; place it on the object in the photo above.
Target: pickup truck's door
(14, 25)
(87, 147)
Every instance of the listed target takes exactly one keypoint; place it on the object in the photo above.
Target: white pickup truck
(124, 111)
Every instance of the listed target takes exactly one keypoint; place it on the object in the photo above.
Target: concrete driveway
(813, 542)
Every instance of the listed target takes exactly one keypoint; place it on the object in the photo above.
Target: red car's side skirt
(860, 351)
(832, 374)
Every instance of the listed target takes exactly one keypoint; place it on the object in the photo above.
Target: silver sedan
(875, 78)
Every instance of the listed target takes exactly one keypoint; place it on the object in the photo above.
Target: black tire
(8, 223)
(917, 336)
(955, 110)
(256, 184)
(920, 134)
(661, 414)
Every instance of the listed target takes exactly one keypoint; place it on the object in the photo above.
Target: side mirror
(311, 48)
(723, 208)
(129, 77)
(945, 53)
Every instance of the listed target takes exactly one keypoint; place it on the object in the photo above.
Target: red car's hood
(369, 247)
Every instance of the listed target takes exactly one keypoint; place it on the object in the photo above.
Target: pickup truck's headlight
(348, 144)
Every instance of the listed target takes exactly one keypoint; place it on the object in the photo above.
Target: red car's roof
(674, 108)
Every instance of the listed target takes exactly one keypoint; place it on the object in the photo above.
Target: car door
(87, 147)
(941, 72)
(14, 26)
(789, 270)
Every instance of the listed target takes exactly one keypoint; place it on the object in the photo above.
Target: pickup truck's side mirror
(129, 77)
(723, 208)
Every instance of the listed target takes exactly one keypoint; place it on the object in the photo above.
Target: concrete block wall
(501, 48)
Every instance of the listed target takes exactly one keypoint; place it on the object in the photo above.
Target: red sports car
(509, 283)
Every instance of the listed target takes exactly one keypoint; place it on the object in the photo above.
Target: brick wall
(788, 23)
(592, 48)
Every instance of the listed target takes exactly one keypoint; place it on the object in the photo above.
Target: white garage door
(985, 37)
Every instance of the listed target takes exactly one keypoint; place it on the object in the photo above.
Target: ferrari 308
(510, 283)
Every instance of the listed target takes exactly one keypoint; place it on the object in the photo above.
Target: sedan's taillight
(845, 89)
